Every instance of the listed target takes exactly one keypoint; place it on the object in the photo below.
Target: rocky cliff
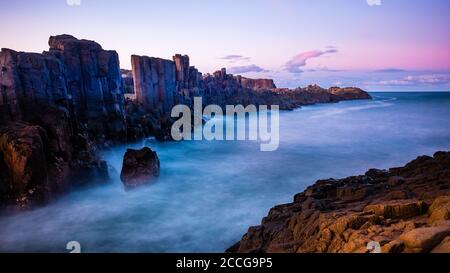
(160, 84)
(54, 106)
(403, 209)
(256, 83)
(77, 76)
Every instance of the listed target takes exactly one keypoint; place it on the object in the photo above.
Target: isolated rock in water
(139, 167)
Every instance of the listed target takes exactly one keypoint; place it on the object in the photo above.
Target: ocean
(210, 193)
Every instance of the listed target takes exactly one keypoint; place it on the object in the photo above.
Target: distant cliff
(159, 84)
(402, 209)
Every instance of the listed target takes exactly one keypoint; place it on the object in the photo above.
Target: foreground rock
(139, 167)
(37, 164)
(406, 210)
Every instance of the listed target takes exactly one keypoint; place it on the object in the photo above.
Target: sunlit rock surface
(403, 209)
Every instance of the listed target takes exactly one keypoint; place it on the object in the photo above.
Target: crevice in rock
(5, 178)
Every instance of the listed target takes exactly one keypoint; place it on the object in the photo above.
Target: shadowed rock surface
(404, 209)
(54, 106)
(127, 81)
(37, 163)
(139, 167)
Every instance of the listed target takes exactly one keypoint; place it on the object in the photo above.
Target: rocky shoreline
(404, 210)
(58, 108)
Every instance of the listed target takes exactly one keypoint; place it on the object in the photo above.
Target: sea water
(210, 193)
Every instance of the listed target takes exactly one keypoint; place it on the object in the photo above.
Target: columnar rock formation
(77, 76)
(219, 88)
(155, 83)
(52, 106)
(403, 209)
(94, 83)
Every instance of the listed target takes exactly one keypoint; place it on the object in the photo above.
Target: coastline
(79, 88)
(402, 210)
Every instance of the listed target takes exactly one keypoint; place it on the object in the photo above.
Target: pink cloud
(236, 58)
(300, 60)
(246, 69)
(428, 79)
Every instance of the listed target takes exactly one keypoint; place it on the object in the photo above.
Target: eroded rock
(139, 167)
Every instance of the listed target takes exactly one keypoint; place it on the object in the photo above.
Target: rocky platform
(405, 210)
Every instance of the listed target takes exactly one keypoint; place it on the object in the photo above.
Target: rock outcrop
(160, 84)
(54, 106)
(139, 167)
(405, 210)
(266, 84)
(39, 163)
(76, 75)
(94, 84)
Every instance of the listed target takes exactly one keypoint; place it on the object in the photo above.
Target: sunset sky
(389, 45)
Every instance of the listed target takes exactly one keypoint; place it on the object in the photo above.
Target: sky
(378, 45)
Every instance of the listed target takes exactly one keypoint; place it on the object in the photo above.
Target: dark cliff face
(127, 81)
(75, 75)
(52, 107)
(403, 209)
(155, 82)
(94, 84)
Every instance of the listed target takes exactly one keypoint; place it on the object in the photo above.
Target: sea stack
(139, 167)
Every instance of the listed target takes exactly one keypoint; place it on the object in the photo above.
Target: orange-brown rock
(405, 210)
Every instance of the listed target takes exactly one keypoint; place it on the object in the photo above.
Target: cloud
(374, 2)
(323, 69)
(236, 58)
(73, 2)
(246, 69)
(390, 70)
(300, 60)
(429, 79)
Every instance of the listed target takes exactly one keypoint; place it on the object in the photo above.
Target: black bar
(228, 263)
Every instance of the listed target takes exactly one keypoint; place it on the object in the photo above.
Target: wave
(340, 111)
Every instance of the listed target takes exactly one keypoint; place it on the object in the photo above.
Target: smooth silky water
(209, 193)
